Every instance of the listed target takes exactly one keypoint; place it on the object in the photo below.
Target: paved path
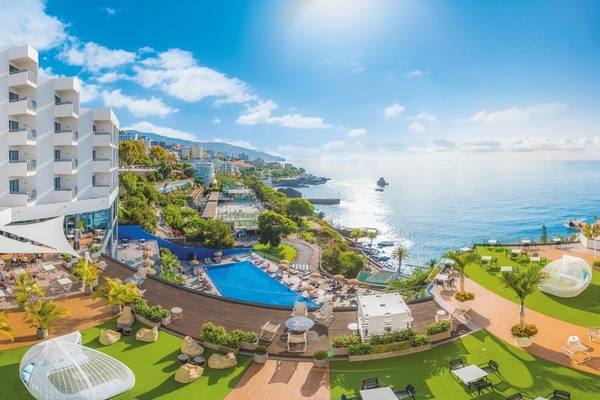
(307, 253)
(287, 380)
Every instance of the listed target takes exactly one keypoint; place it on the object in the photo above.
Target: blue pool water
(246, 282)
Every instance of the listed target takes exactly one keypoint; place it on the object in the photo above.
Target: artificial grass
(583, 310)
(154, 366)
(283, 251)
(428, 372)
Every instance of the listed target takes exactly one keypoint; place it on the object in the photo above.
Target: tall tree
(298, 208)
(524, 282)
(272, 226)
(399, 254)
(371, 234)
(459, 266)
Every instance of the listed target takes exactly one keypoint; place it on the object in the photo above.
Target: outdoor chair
(578, 356)
(300, 309)
(594, 334)
(408, 392)
(370, 383)
(492, 367)
(269, 331)
(296, 340)
(344, 397)
(324, 315)
(559, 395)
(456, 364)
(461, 317)
(516, 396)
(481, 385)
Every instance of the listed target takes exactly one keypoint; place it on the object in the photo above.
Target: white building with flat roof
(57, 158)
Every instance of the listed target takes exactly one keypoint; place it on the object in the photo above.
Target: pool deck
(198, 309)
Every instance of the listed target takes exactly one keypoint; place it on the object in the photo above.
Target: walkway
(278, 380)
(85, 313)
(307, 253)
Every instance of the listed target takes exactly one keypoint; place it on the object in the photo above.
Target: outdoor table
(469, 374)
(299, 324)
(442, 277)
(506, 268)
(64, 281)
(199, 360)
(465, 249)
(382, 393)
(353, 326)
(515, 251)
(183, 359)
(441, 315)
(486, 259)
(49, 268)
(492, 242)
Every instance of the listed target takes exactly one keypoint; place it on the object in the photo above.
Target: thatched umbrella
(309, 288)
(218, 253)
(353, 282)
(195, 262)
(284, 261)
(150, 271)
(315, 275)
(338, 277)
(148, 262)
(283, 266)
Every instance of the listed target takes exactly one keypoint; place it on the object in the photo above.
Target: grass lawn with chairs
(154, 366)
(283, 251)
(428, 372)
(583, 310)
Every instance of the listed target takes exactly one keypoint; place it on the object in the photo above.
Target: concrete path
(307, 253)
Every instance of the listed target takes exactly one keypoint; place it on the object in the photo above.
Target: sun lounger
(324, 315)
(578, 355)
(461, 317)
(296, 340)
(268, 331)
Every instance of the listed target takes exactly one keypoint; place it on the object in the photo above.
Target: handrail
(31, 164)
(32, 76)
(31, 103)
(31, 133)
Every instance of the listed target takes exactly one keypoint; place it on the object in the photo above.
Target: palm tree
(524, 283)
(26, 290)
(87, 272)
(459, 266)
(115, 293)
(399, 254)
(356, 234)
(371, 235)
(43, 315)
(5, 329)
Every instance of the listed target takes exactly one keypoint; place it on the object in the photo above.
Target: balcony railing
(31, 76)
(30, 163)
(74, 104)
(75, 133)
(74, 161)
(31, 133)
(31, 194)
(31, 103)
(73, 190)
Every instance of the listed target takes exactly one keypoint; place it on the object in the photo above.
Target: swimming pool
(246, 282)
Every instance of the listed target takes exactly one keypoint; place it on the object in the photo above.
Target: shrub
(393, 337)
(344, 341)
(212, 333)
(464, 296)
(95, 248)
(438, 327)
(245, 336)
(386, 348)
(320, 355)
(359, 349)
(419, 340)
(67, 257)
(260, 350)
(154, 313)
(527, 331)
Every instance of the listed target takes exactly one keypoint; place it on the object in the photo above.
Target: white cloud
(357, 132)
(239, 143)
(415, 73)
(216, 121)
(393, 110)
(262, 113)
(89, 92)
(138, 107)
(145, 126)
(422, 121)
(95, 57)
(517, 114)
(424, 116)
(111, 76)
(417, 126)
(177, 73)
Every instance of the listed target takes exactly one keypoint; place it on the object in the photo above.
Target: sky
(334, 78)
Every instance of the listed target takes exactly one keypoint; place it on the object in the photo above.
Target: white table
(540, 398)
(515, 251)
(526, 241)
(442, 277)
(382, 393)
(506, 268)
(486, 259)
(353, 326)
(492, 242)
(469, 374)
(49, 268)
(64, 281)
(441, 315)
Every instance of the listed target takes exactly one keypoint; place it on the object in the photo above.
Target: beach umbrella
(283, 267)
(338, 277)
(353, 282)
(284, 261)
(309, 288)
(218, 253)
(150, 271)
(148, 262)
(195, 262)
(315, 275)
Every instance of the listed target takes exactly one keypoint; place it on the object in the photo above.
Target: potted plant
(5, 329)
(439, 330)
(43, 315)
(95, 251)
(464, 299)
(524, 282)
(596, 264)
(67, 260)
(26, 290)
(261, 355)
(88, 273)
(216, 337)
(320, 359)
(248, 339)
(115, 293)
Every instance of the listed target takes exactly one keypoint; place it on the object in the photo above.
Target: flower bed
(217, 338)
(439, 330)
(147, 314)
(390, 345)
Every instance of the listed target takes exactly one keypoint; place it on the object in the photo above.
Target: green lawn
(153, 364)
(283, 251)
(428, 372)
(583, 310)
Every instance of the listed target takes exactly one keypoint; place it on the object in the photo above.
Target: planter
(145, 321)
(464, 305)
(390, 354)
(88, 289)
(95, 255)
(221, 348)
(261, 358)
(523, 341)
(340, 351)
(248, 346)
(68, 265)
(117, 309)
(441, 336)
(166, 321)
(320, 363)
(42, 333)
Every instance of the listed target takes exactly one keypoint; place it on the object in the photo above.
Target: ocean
(434, 206)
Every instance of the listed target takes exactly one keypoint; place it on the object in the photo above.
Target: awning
(8, 245)
(49, 233)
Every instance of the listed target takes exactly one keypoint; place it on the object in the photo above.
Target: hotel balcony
(100, 191)
(102, 139)
(65, 167)
(22, 199)
(65, 194)
(66, 137)
(22, 78)
(21, 168)
(22, 106)
(22, 137)
(66, 109)
(100, 165)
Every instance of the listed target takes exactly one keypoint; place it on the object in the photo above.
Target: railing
(31, 76)
(31, 133)
(102, 133)
(31, 103)
(75, 133)
(74, 162)
(31, 194)
(73, 190)
(30, 163)
(74, 104)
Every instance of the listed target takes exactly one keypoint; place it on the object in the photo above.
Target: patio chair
(370, 383)
(578, 356)
(268, 331)
(300, 309)
(481, 385)
(594, 334)
(344, 397)
(461, 317)
(559, 395)
(408, 392)
(324, 315)
(492, 367)
(516, 396)
(456, 364)
(296, 340)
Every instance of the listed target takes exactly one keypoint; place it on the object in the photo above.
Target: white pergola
(379, 314)
(39, 237)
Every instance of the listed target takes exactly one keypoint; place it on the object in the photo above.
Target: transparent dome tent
(62, 368)
(567, 277)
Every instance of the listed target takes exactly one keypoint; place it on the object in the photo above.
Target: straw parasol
(338, 277)
(150, 271)
(148, 262)
(309, 288)
(195, 262)
(284, 261)
(283, 266)
(218, 253)
(315, 275)
(353, 282)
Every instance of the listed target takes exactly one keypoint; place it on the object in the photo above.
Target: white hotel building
(56, 159)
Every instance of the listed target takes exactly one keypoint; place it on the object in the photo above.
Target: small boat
(385, 243)
(379, 189)
(574, 224)
(381, 182)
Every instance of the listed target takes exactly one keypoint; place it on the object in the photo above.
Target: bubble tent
(567, 277)
(62, 368)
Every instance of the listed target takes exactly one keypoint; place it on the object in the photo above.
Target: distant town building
(205, 172)
(225, 167)
(129, 136)
(185, 152)
(197, 152)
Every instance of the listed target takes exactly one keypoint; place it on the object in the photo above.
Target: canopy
(567, 277)
(49, 233)
(62, 368)
(8, 245)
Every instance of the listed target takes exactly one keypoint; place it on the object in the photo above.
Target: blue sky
(327, 78)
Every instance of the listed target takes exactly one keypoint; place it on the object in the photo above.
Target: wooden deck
(198, 309)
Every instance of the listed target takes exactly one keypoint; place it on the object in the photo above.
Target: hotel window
(56, 100)
(57, 183)
(13, 96)
(13, 126)
(13, 155)
(14, 185)
(56, 126)
(93, 180)
(56, 155)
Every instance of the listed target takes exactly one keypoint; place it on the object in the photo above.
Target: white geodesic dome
(567, 277)
(63, 369)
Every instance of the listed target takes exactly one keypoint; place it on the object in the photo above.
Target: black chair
(516, 396)
(456, 364)
(480, 385)
(492, 367)
(408, 393)
(370, 383)
(344, 397)
(560, 395)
